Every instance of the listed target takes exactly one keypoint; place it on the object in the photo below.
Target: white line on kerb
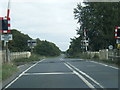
(51, 73)
(22, 74)
(81, 77)
(104, 65)
(83, 73)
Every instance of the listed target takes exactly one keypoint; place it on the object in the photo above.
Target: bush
(96, 56)
(46, 48)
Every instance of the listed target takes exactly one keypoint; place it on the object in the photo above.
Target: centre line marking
(81, 77)
(83, 73)
(52, 73)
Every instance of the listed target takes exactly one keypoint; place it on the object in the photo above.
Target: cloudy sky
(51, 20)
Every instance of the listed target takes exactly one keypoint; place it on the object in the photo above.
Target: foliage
(74, 48)
(99, 20)
(46, 48)
(33, 57)
(19, 42)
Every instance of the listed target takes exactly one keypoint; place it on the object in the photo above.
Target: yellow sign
(118, 46)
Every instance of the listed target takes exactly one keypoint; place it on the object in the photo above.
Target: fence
(16, 55)
(104, 54)
(13, 55)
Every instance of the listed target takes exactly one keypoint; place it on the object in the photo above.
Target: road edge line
(22, 74)
(104, 64)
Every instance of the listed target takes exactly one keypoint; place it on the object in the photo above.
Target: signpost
(5, 31)
(32, 44)
(117, 37)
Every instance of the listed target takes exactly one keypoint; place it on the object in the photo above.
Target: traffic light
(4, 25)
(117, 32)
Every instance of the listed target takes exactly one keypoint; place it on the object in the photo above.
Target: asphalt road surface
(67, 73)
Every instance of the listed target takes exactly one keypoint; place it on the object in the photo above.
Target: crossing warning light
(117, 33)
(5, 21)
(4, 25)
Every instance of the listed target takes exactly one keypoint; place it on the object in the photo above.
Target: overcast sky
(51, 20)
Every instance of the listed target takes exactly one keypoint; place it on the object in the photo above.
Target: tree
(46, 48)
(19, 42)
(99, 20)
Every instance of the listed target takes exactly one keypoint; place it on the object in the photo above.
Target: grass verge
(8, 70)
(32, 58)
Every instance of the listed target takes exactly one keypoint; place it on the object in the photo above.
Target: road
(67, 73)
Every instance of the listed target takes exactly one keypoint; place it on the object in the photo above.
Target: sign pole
(6, 41)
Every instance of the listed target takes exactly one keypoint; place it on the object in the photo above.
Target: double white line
(79, 73)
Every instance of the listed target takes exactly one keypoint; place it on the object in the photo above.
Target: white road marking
(81, 77)
(104, 64)
(52, 73)
(83, 73)
(21, 66)
(22, 74)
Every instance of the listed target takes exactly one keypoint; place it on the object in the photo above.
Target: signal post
(5, 32)
(117, 37)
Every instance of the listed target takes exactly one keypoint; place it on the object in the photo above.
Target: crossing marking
(51, 73)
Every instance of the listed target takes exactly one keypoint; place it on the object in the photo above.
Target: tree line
(19, 44)
(99, 19)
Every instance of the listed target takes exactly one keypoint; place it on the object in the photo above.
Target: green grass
(0, 73)
(32, 58)
(8, 70)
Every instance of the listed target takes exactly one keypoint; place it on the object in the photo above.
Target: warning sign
(6, 37)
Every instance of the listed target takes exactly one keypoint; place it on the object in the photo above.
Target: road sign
(117, 41)
(6, 37)
(32, 43)
(111, 47)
